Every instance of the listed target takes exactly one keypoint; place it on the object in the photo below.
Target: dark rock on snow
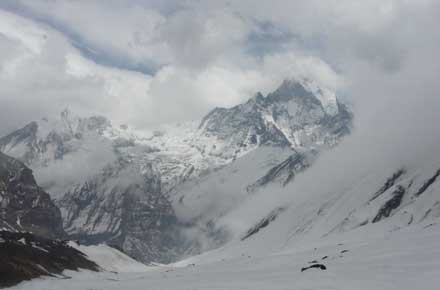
(25, 256)
(318, 266)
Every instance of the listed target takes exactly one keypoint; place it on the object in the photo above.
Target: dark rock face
(390, 182)
(123, 206)
(244, 124)
(263, 223)
(25, 256)
(317, 266)
(23, 205)
(391, 204)
(149, 229)
(283, 172)
(428, 183)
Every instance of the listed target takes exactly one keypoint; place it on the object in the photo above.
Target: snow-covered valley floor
(404, 259)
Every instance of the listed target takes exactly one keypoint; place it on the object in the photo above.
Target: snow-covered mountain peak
(69, 123)
(306, 92)
(290, 89)
(296, 114)
(257, 100)
(97, 201)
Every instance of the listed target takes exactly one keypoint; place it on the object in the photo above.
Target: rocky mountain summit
(293, 115)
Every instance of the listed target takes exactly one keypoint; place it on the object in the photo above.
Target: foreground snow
(360, 259)
(110, 259)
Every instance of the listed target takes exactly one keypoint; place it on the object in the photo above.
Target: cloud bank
(152, 62)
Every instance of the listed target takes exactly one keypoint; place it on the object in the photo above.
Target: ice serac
(24, 206)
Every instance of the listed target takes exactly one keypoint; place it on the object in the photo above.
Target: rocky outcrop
(24, 206)
(263, 223)
(428, 183)
(25, 256)
(388, 183)
(391, 204)
(284, 172)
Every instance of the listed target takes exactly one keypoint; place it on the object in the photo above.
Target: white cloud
(47, 73)
(199, 52)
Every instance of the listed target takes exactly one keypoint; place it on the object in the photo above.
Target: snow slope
(370, 216)
(205, 205)
(407, 259)
(327, 201)
(350, 221)
(110, 259)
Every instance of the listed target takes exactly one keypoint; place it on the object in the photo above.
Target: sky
(148, 62)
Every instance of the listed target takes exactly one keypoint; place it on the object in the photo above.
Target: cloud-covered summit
(151, 62)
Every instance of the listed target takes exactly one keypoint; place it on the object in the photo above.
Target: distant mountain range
(132, 188)
(243, 178)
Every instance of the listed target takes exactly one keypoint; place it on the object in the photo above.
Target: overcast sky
(147, 62)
